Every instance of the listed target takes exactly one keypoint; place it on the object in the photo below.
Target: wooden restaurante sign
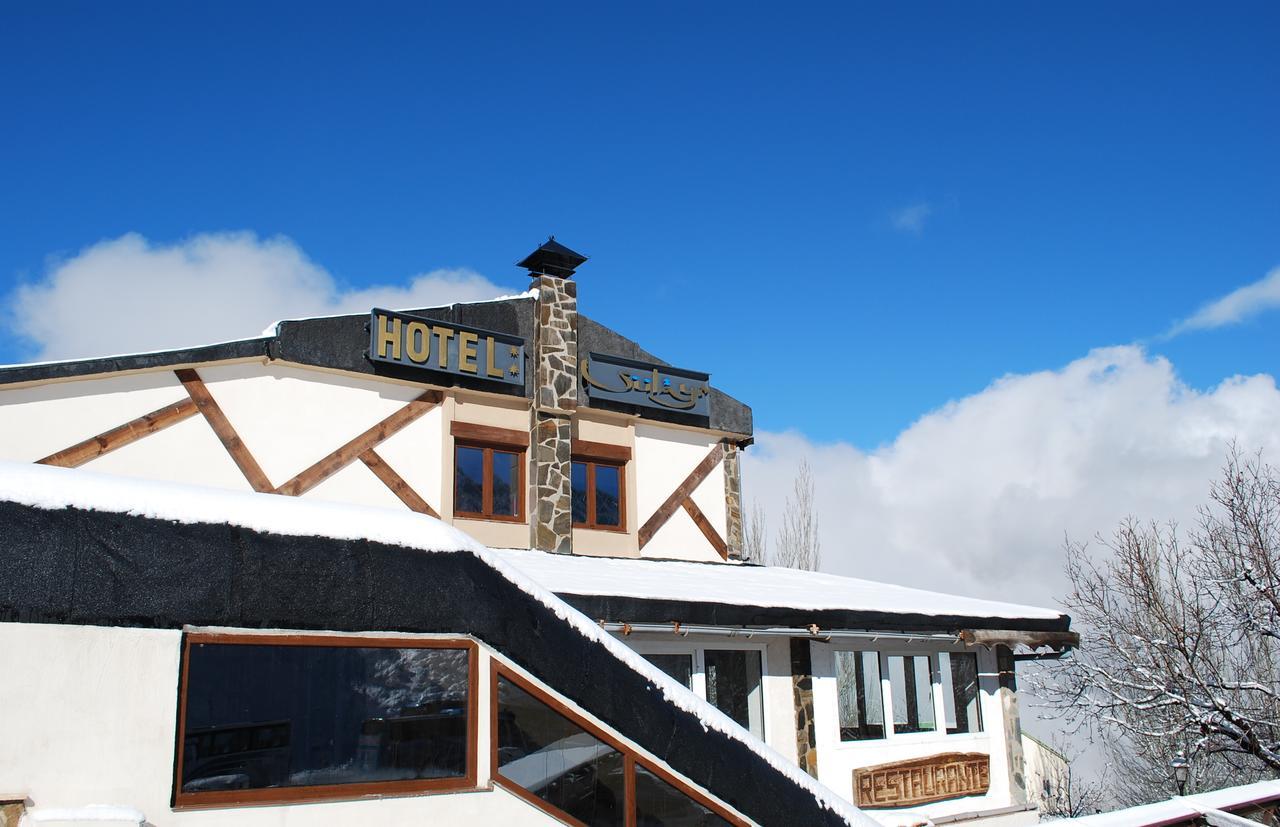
(414, 341)
(922, 780)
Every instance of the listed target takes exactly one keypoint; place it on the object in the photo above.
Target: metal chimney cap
(553, 259)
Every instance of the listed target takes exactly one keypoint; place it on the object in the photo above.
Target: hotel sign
(922, 780)
(414, 341)
(650, 386)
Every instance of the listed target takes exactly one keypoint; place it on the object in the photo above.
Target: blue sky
(926, 196)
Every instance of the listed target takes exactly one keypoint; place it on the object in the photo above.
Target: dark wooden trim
(629, 782)
(221, 426)
(673, 502)
(348, 453)
(486, 482)
(489, 435)
(629, 754)
(591, 524)
(330, 792)
(704, 525)
(122, 435)
(375, 463)
(582, 449)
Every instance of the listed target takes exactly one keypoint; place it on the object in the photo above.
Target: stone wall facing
(555, 399)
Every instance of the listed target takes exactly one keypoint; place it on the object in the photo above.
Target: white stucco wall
(88, 713)
(664, 457)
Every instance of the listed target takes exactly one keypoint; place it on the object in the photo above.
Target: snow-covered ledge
(93, 814)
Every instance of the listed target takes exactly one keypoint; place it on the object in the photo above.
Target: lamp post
(1181, 771)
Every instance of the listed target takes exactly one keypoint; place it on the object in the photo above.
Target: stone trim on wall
(733, 500)
(802, 690)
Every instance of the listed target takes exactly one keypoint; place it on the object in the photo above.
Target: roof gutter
(811, 632)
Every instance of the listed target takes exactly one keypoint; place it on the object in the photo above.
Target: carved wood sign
(922, 780)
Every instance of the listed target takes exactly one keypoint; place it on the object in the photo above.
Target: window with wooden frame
(488, 472)
(294, 718)
(568, 767)
(599, 483)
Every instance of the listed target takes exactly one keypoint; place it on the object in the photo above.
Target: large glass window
(733, 686)
(269, 720)
(560, 763)
(488, 482)
(860, 696)
(960, 692)
(597, 494)
(911, 682)
(554, 759)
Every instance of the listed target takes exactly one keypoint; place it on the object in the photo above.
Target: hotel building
(469, 564)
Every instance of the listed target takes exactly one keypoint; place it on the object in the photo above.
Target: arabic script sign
(401, 339)
(651, 386)
(919, 781)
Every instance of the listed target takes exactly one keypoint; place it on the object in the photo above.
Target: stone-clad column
(733, 501)
(555, 398)
(802, 691)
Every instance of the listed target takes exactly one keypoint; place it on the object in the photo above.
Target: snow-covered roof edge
(1184, 807)
(52, 488)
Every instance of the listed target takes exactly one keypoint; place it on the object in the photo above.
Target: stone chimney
(555, 395)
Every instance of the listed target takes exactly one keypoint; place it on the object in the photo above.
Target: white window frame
(939, 733)
(699, 678)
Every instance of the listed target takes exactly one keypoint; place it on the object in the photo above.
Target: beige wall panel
(356, 485)
(289, 418)
(188, 452)
(498, 413)
(606, 543)
(595, 430)
(495, 533)
(41, 420)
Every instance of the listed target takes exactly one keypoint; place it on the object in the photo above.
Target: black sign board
(650, 386)
(414, 341)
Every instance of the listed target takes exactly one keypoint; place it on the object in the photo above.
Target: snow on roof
(1184, 808)
(52, 488)
(745, 585)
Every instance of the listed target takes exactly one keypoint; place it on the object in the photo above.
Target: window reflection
(733, 686)
(579, 487)
(469, 474)
(859, 695)
(607, 495)
(960, 692)
(912, 686)
(506, 476)
(261, 716)
(556, 760)
(658, 804)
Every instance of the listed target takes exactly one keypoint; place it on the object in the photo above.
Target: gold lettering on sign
(922, 780)
(388, 337)
(491, 368)
(467, 351)
(443, 335)
(680, 397)
(417, 345)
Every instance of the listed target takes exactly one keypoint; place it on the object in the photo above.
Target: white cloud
(976, 497)
(1235, 307)
(128, 295)
(911, 219)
